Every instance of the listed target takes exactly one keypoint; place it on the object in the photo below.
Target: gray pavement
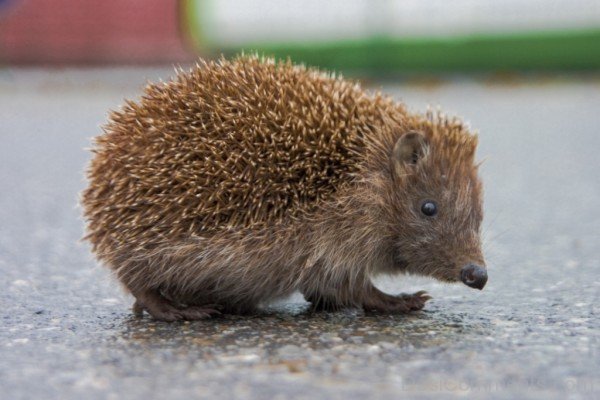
(66, 330)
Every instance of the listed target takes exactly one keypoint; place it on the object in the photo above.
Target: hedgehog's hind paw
(160, 308)
(192, 313)
(138, 308)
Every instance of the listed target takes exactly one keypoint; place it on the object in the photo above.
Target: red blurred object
(84, 32)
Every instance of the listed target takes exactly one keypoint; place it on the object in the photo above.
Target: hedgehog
(239, 182)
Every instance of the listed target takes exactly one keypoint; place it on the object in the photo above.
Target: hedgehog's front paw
(162, 309)
(415, 301)
(403, 303)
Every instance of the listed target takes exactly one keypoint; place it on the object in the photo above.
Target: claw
(195, 313)
(163, 309)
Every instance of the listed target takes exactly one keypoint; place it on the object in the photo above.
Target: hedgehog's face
(438, 208)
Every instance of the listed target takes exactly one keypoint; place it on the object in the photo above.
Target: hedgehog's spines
(236, 144)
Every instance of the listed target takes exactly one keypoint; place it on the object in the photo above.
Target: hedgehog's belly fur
(237, 270)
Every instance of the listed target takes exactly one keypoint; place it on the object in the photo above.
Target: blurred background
(524, 74)
(367, 36)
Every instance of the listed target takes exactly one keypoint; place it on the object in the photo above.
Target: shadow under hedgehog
(239, 182)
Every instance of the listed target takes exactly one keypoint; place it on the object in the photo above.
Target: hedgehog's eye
(429, 208)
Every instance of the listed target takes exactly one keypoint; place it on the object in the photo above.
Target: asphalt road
(67, 332)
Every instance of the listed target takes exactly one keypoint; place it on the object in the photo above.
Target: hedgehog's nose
(474, 276)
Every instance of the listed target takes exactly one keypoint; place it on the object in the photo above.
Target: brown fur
(239, 182)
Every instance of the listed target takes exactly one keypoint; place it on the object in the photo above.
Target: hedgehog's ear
(408, 150)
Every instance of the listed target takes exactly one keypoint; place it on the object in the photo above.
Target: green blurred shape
(538, 50)
(564, 50)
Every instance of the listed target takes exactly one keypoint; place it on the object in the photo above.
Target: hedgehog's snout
(474, 276)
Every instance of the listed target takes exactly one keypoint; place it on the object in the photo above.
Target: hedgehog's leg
(373, 300)
(162, 309)
(333, 297)
(376, 300)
